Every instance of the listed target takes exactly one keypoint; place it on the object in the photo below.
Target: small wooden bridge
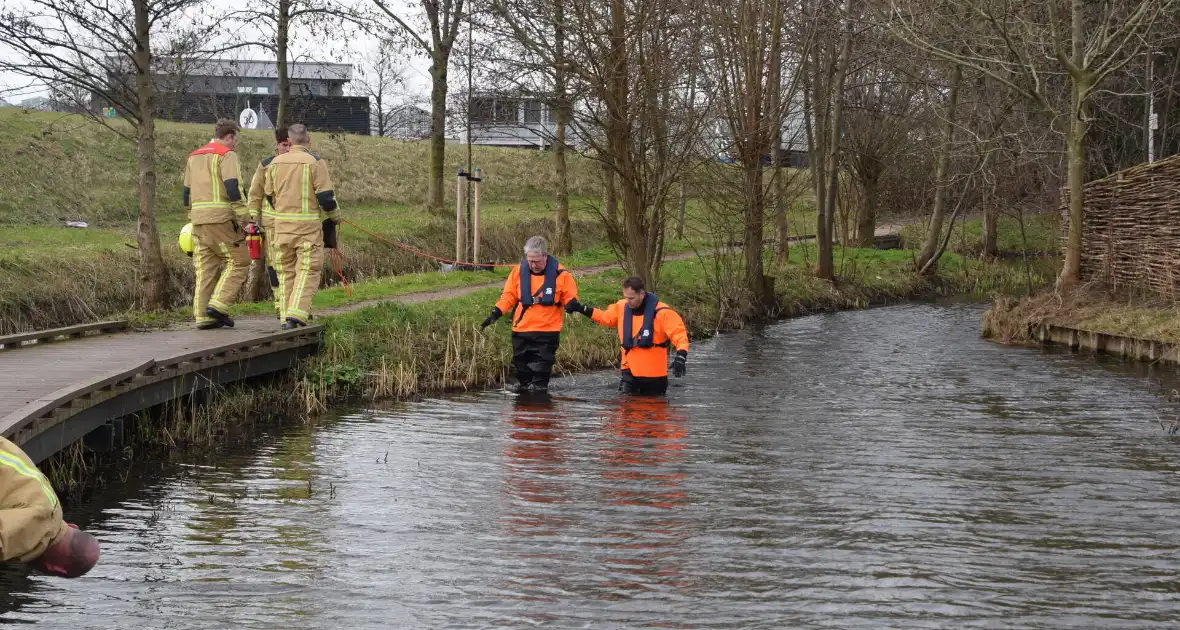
(58, 386)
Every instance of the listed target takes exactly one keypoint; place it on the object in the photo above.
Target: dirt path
(446, 294)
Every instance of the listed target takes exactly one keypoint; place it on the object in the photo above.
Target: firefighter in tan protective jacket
(301, 189)
(212, 193)
(32, 530)
(261, 205)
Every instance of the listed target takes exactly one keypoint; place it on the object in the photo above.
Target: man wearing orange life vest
(538, 288)
(647, 329)
(212, 193)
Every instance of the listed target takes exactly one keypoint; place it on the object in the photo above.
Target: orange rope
(418, 252)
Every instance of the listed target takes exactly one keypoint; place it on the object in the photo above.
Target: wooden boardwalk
(58, 386)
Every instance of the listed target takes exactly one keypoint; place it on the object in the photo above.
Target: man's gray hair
(298, 134)
(536, 244)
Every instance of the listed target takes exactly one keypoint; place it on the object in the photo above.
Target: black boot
(292, 324)
(221, 318)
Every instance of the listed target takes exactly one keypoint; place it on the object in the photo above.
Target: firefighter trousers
(222, 263)
(274, 270)
(301, 258)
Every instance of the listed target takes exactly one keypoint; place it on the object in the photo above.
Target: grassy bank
(1041, 234)
(66, 166)
(1012, 320)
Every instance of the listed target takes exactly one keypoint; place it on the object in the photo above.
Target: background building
(201, 91)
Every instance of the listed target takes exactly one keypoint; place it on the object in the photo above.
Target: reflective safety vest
(646, 336)
(211, 185)
(544, 296)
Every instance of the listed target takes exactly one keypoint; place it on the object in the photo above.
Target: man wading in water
(648, 328)
(537, 288)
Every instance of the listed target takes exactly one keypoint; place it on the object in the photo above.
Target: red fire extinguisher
(254, 241)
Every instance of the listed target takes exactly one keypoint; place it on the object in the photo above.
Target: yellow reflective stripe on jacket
(306, 188)
(23, 469)
(211, 204)
(215, 177)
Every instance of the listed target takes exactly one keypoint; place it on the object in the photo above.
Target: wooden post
(478, 179)
(460, 220)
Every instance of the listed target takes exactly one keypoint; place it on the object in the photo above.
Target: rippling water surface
(872, 469)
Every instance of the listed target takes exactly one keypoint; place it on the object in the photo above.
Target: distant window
(533, 111)
(262, 89)
(245, 89)
(481, 109)
(507, 111)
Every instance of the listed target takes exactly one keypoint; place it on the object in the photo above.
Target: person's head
(282, 141)
(536, 251)
(70, 557)
(226, 133)
(298, 135)
(633, 291)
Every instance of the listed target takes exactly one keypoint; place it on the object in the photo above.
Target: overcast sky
(349, 47)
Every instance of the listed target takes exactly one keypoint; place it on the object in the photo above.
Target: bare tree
(747, 40)
(442, 19)
(279, 21)
(1023, 46)
(541, 66)
(382, 78)
(108, 50)
(630, 60)
(827, 71)
(882, 108)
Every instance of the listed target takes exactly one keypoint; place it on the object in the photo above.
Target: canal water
(882, 468)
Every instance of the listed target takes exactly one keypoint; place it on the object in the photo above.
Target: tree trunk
(866, 224)
(938, 213)
(381, 124)
(563, 240)
(1075, 154)
(438, 130)
(1076, 161)
(281, 40)
(777, 155)
(682, 202)
(826, 268)
(752, 243)
(813, 122)
(991, 217)
(610, 192)
(619, 142)
(153, 274)
(681, 206)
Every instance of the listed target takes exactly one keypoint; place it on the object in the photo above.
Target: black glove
(574, 306)
(491, 319)
(678, 363)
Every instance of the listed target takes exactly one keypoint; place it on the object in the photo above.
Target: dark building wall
(349, 114)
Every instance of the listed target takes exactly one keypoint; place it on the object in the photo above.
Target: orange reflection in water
(646, 443)
(535, 454)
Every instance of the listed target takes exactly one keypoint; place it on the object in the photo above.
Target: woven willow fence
(1131, 233)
